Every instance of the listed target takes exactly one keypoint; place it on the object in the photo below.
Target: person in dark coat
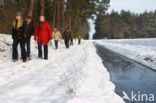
(43, 35)
(28, 32)
(67, 36)
(18, 37)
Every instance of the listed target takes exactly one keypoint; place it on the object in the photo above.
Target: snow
(76, 75)
(139, 50)
(92, 27)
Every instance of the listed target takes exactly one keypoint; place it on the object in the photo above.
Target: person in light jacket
(57, 36)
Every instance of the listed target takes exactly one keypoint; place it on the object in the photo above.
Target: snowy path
(76, 75)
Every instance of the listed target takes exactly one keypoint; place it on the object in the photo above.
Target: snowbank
(140, 50)
(76, 75)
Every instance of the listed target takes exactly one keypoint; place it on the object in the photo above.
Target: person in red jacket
(43, 35)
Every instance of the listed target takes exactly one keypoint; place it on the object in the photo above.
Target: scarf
(41, 24)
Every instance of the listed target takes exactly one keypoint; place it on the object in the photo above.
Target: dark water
(129, 76)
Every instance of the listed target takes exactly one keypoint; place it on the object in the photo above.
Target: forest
(73, 14)
(126, 24)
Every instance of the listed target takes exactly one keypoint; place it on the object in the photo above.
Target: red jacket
(44, 34)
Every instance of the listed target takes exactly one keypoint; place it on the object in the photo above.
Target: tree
(19, 5)
(126, 16)
(31, 5)
(42, 7)
(62, 8)
(2, 2)
(125, 25)
(58, 14)
(54, 14)
(73, 14)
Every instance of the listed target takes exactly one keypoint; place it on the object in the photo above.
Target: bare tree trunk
(62, 5)
(31, 5)
(42, 7)
(1, 2)
(68, 21)
(54, 15)
(75, 21)
(20, 5)
(58, 14)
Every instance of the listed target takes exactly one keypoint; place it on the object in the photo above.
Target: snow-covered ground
(76, 75)
(140, 50)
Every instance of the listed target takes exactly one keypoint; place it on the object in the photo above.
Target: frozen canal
(129, 76)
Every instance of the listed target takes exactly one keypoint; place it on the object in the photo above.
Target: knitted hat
(18, 14)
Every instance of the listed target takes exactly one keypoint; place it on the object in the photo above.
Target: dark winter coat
(67, 36)
(17, 33)
(43, 34)
(29, 29)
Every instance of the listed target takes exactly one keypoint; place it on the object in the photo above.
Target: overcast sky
(136, 6)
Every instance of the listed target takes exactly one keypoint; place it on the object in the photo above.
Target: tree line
(59, 13)
(126, 24)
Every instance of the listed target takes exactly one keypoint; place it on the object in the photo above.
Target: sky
(137, 6)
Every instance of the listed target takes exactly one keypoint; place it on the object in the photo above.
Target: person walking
(28, 32)
(67, 37)
(43, 35)
(71, 41)
(79, 39)
(18, 37)
(57, 36)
